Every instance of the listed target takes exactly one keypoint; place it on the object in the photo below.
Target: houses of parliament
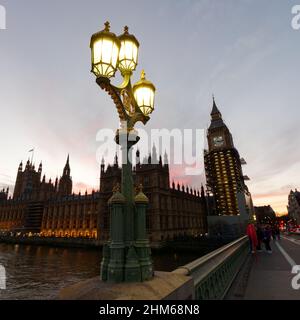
(51, 209)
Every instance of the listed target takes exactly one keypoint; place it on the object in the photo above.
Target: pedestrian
(277, 232)
(267, 233)
(273, 232)
(259, 233)
(251, 232)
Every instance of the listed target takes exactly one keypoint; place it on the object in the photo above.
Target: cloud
(82, 187)
(240, 51)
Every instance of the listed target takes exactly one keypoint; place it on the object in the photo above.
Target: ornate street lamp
(127, 256)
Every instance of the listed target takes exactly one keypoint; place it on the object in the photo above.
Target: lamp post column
(112, 268)
(141, 241)
(127, 139)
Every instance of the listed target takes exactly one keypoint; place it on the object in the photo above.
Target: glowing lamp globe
(144, 92)
(105, 47)
(128, 56)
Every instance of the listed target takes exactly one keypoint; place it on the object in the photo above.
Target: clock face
(218, 141)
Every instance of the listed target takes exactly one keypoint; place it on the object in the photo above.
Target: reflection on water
(38, 272)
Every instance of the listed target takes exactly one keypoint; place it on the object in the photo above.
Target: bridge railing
(214, 273)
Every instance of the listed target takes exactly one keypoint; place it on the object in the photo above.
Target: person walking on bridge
(277, 232)
(251, 233)
(259, 233)
(267, 234)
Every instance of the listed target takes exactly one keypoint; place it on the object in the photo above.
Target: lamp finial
(126, 29)
(107, 26)
(143, 75)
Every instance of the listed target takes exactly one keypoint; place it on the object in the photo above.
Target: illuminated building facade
(224, 176)
(73, 216)
(47, 208)
(52, 210)
(223, 166)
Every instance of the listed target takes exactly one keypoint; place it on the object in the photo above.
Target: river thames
(39, 272)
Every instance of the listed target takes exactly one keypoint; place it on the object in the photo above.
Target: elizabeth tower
(223, 167)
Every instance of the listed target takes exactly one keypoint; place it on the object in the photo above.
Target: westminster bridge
(233, 273)
(229, 272)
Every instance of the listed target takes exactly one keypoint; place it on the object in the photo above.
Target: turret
(40, 168)
(3, 195)
(137, 158)
(116, 160)
(67, 170)
(27, 165)
(202, 191)
(160, 161)
(154, 159)
(166, 160)
(65, 183)
(102, 165)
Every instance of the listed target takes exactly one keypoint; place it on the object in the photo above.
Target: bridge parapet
(214, 273)
(206, 278)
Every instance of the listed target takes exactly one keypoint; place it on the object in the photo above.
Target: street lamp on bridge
(127, 255)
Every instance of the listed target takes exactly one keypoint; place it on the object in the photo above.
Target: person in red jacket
(251, 233)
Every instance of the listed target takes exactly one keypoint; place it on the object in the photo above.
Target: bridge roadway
(267, 276)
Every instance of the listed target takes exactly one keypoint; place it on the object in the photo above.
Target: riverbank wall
(206, 244)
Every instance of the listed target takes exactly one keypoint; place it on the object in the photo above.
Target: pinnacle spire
(67, 170)
(215, 110)
(116, 161)
(166, 160)
(154, 155)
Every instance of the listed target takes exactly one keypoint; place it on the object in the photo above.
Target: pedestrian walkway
(267, 276)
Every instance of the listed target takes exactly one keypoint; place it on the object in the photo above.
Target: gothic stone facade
(46, 208)
(173, 212)
(52, 210)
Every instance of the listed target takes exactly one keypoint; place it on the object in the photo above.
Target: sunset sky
(244, 52)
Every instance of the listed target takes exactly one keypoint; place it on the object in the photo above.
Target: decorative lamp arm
(124, 100)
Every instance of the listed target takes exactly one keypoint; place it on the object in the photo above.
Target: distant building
(232, 204)
(294, 206)
(265, 214)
